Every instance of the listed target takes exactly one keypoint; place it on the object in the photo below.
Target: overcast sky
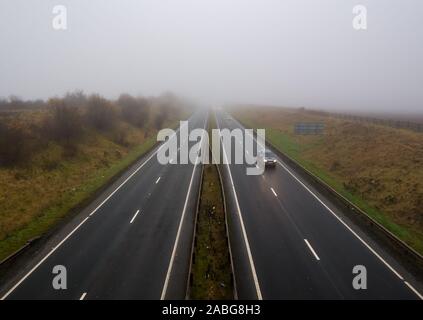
(282, 52)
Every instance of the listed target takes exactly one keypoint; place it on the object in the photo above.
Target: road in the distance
(126, 248)
(298, 248)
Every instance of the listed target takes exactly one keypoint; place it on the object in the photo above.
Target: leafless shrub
(75, 99)
(160, 117)
(65, 120)
(14, 146)
(134, 110)
(3, 103)
(65, 124)
(70, 150)
(15, 103)
(120, 136)
(100, 113)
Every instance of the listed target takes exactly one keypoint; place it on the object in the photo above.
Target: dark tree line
(67, 119)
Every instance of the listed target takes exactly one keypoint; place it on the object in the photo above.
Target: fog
(269, 52)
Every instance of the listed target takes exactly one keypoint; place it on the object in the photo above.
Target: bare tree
(75, 99)
(14, 147)
(65, 124)
(134, 110)
(100, 113)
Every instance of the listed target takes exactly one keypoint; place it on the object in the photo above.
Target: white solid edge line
(83, 296)
(44, 259)
(274, 192)
(347, 226)
(83, 221)
(414, 290)
(311, 249)
(340, 220)
(135, 215)
(157, 181)
(351, 230)
(77, 227)
(244, 233)
(175, 245)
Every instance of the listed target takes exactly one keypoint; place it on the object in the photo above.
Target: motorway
(289, 242)
(133, 242)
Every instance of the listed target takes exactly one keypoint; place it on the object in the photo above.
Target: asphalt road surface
(289, 242)
(133, 242)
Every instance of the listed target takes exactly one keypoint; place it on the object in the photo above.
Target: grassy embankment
(380, 169)
(38, 192)
(211, 267)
